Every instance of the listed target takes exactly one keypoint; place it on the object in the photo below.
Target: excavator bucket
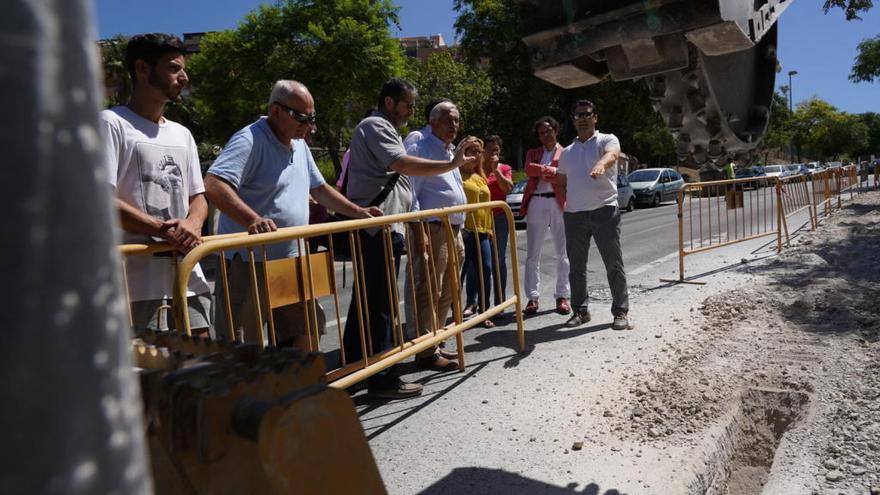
(710, 65)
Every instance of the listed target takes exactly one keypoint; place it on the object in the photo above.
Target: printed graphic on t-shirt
(161, 177)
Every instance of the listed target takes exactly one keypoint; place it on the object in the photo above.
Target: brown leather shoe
(447, 354)
(562, 306)
(436, 363)
(531, 307)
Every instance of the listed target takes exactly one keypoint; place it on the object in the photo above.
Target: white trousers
(544, 214)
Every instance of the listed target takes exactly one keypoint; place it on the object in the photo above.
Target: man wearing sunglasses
(588, 175)
(261, 182)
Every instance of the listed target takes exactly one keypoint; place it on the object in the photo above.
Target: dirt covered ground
(785, 368)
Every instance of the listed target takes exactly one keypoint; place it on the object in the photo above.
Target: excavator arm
(710, 65)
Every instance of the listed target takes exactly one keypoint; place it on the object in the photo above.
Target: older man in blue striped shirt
(431, 307)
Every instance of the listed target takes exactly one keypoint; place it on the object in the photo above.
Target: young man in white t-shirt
(154, 168)
(588, 174)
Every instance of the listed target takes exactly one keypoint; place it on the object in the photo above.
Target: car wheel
(655, 201)
(631, 205)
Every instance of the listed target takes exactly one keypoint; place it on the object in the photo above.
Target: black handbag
(341, 240)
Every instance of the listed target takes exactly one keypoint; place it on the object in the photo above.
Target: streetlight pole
(791, 112)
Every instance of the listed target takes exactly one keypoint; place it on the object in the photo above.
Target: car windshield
(643, 176)
(518, 187)
(773, 168)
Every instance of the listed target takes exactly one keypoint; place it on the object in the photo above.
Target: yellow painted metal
(316, 279)
(314, 443)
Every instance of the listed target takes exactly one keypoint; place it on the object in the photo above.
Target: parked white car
(626, 198)
(776, 170)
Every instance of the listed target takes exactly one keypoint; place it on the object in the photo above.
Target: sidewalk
(661, 408)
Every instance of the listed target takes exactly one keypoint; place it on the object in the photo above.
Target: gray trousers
(603, 224)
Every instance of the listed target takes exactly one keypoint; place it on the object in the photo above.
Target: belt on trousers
(455, 227)
(545, 195)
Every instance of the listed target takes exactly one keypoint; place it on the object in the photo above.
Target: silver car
(654, 185)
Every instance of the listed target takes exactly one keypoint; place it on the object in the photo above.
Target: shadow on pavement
(419, 402)
(507, 339)
(490, 481)
(834, 281)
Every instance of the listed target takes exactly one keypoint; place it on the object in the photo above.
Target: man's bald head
(287, 91)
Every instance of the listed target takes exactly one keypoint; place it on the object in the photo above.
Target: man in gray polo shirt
(380, 167)
(588, 175)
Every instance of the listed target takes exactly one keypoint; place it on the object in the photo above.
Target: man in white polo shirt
(588, 173)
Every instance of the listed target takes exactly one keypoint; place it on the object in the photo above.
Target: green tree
(871, 121)
(867, 65)
(116, 78)
(823, 132)
(779, 131)
(341, 49)
(489, 31)
(852, 8)
(467, 86)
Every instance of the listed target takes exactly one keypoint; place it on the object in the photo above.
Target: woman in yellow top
(476, 235)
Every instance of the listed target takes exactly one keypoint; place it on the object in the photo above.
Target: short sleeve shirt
(477, 191)
(583, 193)
(375, 145)
(155, 168)
(272, 179)
(495, 189)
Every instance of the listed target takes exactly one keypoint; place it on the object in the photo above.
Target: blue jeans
(471, 270)
(502, 231)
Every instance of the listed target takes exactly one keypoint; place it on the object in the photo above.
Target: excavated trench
(741, 456)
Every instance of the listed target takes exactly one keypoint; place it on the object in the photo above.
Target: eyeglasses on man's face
(582, 115)
(302, 118)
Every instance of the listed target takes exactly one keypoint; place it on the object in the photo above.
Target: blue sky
(820, 47)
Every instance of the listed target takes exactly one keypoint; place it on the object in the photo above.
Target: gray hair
(441, 108)
(284, 89)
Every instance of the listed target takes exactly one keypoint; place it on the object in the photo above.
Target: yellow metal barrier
(793, 194)
(720, 213)
(302, 280)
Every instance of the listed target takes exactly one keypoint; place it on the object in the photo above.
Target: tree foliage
(341, 49)
(867, 65)
(469, 87)
(820, 131)
(779, 131)
(116, 78)
(852, 8)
